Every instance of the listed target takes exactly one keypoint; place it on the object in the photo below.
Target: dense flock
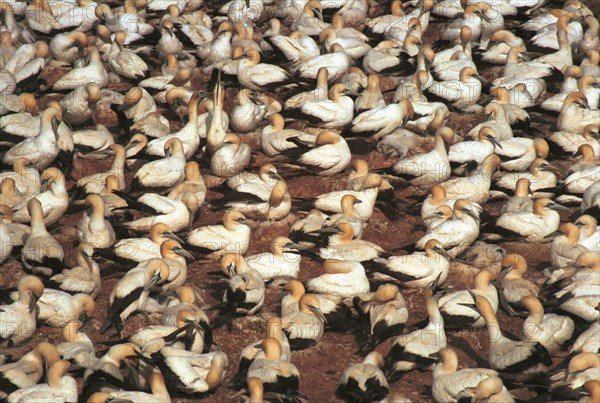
(215, 201)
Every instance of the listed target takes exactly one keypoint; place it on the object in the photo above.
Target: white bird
(476, 186)
(20, 316)
(478, 150)
(589, 232)
(177, 212)
(57, 308)
(60, 387)
(93, 228)
(548, 329)
(85, 277)
(414, 350)
(462, 93)
(166, 172)
(334, 112)
(450, 384)
(364, 380)
(455, 306)
(27, 370)
(535, 225)
(341, 278)
(455, 235)
(282, 261)
(41, 253)
(193, 372)
(575, 114)
(255, 75)
(230, 158)
(379, 122)
(429, 168)
(41, 149)
(131, 292)
(232, 236)
(336, 62)
(330, 154)
(93, 72)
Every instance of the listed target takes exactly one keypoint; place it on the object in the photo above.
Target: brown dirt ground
(320, 367)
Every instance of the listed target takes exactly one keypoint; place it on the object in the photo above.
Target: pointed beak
(442, 252)
(585, 103)
(551, 168)
(153, 281)
(32, 302)
(129, 145)
(184, 253)
(435, 356)
(281, 295)
(553, 234)
(319, 13)
(495, 142)
(433, 286)
(275, 175)
(171, 235)
(432, 217)
(473, 296)
(292, 245)
(471, 214)
(55, 125)
(469, 305)
(318, 313)
(231, 270)
(556, 206)
(481, 79)
(327, 230)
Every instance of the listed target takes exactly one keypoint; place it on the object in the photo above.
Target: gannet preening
(41, 253)
(60, 387)
(364, 381)
(131, 292)
(27, 370)
(509, 357)
(457, 234)
(452, 384)
(277, 374)
(304, 327)
(453, 305)
(420, 268)
(385, 314)
(413, 350)
(550, 330)
(215, 240)
(535, 225)
(253, 350)
(245, 294)
(430, 168)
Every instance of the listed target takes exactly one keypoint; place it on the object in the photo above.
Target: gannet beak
(281, 295)
(184, 253)
(494, 141)
(171, 235)
(318, 313)
(32, 302)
